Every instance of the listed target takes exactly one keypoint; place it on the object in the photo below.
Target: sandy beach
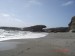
(54, 44)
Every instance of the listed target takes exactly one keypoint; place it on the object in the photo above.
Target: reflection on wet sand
(7, 45)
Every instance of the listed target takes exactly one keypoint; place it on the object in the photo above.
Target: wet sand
(54, 44)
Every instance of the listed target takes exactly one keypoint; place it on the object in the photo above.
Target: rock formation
(10, 28)
(72, 24)
(58, 29)
(36, 28)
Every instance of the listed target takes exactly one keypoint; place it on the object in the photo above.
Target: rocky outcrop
(59, 29)
(72, 24)
(10, 28)
(36, 28)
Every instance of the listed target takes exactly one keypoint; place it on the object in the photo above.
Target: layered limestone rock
(72, 24)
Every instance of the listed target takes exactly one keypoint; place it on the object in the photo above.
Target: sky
(25, 13)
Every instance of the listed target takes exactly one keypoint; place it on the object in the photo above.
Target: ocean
(9, 35)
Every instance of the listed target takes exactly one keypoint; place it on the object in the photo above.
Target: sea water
(9, 34)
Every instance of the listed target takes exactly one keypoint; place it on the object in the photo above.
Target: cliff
(72, 24)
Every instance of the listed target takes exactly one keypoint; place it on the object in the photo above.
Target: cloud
(5, 15)
(9, 20)
(32, 2)
(68, 3)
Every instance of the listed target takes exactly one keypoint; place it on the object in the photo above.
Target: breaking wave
(8, 35)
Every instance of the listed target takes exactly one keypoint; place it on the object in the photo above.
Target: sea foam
(8, 35)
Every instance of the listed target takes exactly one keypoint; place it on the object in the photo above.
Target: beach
(54, 44)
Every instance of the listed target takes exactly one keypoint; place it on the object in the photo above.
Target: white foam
(8, 35)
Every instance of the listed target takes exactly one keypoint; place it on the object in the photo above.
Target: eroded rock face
(72, 24)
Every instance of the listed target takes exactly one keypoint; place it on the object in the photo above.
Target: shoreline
(42, 46)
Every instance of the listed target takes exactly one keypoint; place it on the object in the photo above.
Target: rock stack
(72, 24)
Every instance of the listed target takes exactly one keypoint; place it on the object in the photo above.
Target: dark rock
(10, 28)
(72, 24)
(59, 29)
(36, 28)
